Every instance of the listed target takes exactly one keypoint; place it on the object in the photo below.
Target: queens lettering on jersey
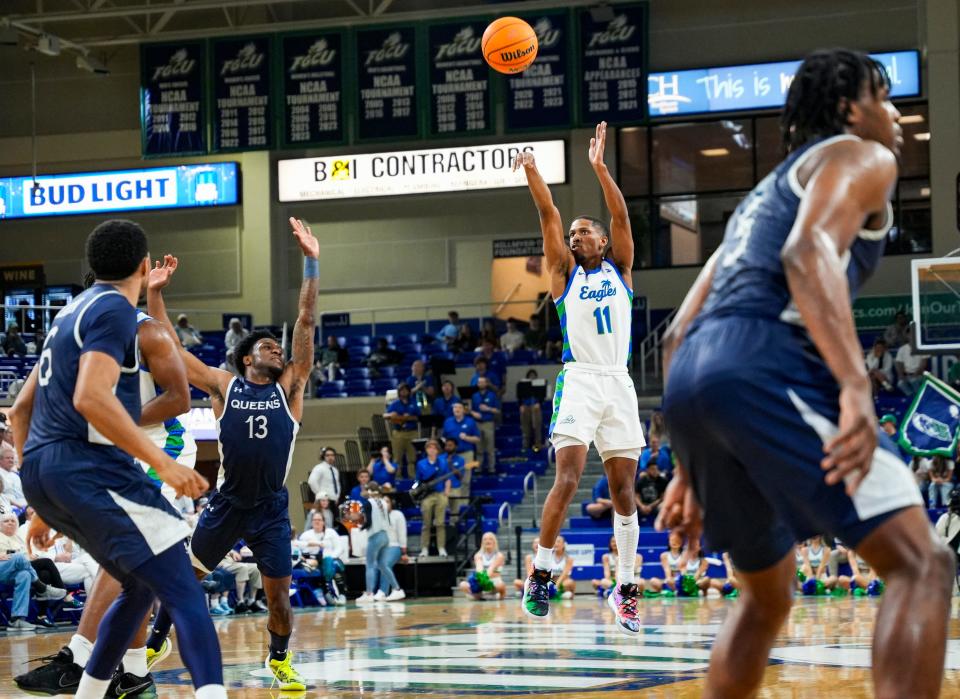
(98, 320)
(595, 317)
(749, 279)
(257, 433)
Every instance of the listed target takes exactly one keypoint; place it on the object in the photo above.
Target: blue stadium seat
(354, 385)
(406, 338)
(587, 572)
(466, 358)
(384, 385)
(389, 338)
(358, 341)
(522, 356)
(357, 372)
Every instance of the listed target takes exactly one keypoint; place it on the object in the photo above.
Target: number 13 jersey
(595, 317)
(256, 438)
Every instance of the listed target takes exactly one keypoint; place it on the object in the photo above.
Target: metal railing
(532, 477)
(650, 350)
(508, 521)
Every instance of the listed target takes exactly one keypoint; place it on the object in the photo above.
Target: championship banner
(539, 98)
(613, 65)
(312, 88)
(932, 423)
(243, 114)
(173, 107)
(459, 79)
(386, 63)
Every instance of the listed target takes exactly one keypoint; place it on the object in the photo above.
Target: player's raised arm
(22, 412)
(162, 354)
(211, 380)
(688, 312)
(297, 371)
(852, 181)
(620, 233)
(551, 225)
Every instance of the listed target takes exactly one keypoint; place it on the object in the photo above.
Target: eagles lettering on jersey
(256, 436)
(749, 279)
(595, 317)
(98, 320)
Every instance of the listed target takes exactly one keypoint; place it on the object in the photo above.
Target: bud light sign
(186, 186)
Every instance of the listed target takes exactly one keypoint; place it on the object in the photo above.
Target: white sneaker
(380, 596)
(423, 553)
(567, 595)
(341, 600)
(396, 596)
(365, 598)
(442, 553)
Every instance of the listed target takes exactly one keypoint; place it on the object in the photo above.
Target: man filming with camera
(948, 528)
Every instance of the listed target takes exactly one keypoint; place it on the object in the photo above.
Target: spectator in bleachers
(488, 333)
(328, 360)
(235, 333)
(451, 331)
(650, 486)
(485, 408)
(320, 547)
(512, 339)
(466, 341)
(602, 505)
(382, 356)
(898, 333)
(247, 580)
(186, 333)
(487, 564)
(880, 367)
(15, 570)
(13, 343)
(658, 429)
(941, 481)
(443, 405)
(75, 565)
(12, 488)
(482, 370)
(609, 579)
(496, 360)
(531, 418)
(5, 505)
(35, 345)
(948, 525)
(358, 492)
(325, 476)
(464, 429)
(911, 365)
(28, 573)
(420, 382)
(654, 451)
(453, 463)
(383, 470)
(888, 423)
(324, 506)
(403, 414)
(395, 551)
(434, 506)
(536, 337)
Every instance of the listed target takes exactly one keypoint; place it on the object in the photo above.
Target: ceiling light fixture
(714, 152)
(92, 65)
(925, 136)
(911, 119)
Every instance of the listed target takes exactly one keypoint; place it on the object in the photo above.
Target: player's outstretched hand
(849, 455)
(39, 535)
(597, 145)
(184, 481)
(161, 273)
(305, 237)
(680, 510)
(523, 159)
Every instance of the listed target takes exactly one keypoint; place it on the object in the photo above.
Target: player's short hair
(818, 102)
(115, 249)
(244, 348)
(598, 224)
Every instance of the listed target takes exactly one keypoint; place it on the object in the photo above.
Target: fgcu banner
(932, 423)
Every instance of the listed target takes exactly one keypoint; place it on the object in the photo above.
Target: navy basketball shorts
(107, 505)
(749, 405)
(265, 529)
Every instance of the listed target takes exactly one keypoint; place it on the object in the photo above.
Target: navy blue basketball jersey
(98, 320)
(257, 433)
(749, 279)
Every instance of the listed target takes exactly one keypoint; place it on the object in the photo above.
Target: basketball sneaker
(126, 684)
(60, 675)
(154, 657)
(536, 594)
(284, 673)
(623, 602)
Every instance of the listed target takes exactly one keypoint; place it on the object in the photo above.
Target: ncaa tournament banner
(539, 97)
(459, 79)
(612, 63)
(173, 107)
(242, 115)
(386, 61)
(312, 88)
(488, 166)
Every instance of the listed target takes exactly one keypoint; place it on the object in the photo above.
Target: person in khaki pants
(402, 415)
(485, 409)
(463, 428)
(434, 506)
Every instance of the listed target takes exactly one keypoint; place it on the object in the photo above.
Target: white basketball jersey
(595, 317)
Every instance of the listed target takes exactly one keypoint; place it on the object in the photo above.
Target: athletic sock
(161, 629)
(626, 530)
(278, 646)
(81, 649)
(544, 558)
(135, 661)
(211, 691)
(91, 688)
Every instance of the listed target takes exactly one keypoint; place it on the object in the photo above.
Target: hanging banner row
(331, 86)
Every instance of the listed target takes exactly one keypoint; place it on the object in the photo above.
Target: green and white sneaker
(536, 594)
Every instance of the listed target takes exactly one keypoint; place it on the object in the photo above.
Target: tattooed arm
(297, 371)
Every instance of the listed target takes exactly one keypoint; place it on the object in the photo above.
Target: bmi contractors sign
(416, 172)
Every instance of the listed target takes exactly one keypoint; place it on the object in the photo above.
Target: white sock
(626, 530)
(81, 649)
(91, 688)
(135, 661)
(211, 691)
(543, 559)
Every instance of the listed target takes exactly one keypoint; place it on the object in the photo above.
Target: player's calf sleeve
(160, 630)
(118, 628)
(626, 530)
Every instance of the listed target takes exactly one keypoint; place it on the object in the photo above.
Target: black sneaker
(126, 684)
(243, 607)
(259, 606)
(60, 675)
(536, 594)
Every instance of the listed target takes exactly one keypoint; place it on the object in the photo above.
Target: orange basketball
(509, 45)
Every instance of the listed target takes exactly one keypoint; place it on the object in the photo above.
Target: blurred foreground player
(768, 327)
(259, 415)
(83, 403)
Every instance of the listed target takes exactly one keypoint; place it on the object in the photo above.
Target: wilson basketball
(509, 45)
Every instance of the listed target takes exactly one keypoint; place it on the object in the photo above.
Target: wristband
(311, 268)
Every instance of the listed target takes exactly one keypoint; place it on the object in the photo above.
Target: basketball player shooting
(769, 404)
(595, 400)
(259, 414)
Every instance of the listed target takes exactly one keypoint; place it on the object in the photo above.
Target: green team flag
(931, 425)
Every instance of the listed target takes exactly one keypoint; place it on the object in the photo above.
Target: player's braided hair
(818, 102)
(245, 347)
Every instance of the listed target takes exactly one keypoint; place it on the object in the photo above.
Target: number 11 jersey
(256, 438)
(595, 317)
